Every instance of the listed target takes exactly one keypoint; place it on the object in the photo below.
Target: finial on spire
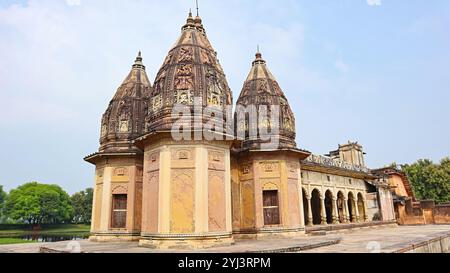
(138, 62)
(139, 56)
(190, 12)
(196, 4)
(258, 53)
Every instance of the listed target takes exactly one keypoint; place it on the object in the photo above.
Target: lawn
(69, 230)
(10, 241)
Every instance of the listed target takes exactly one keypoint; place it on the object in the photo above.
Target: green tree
(2, 196)
(35, 204)
(82, 205)
(2, 200)
(429, 180)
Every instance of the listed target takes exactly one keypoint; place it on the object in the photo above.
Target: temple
(200, 192)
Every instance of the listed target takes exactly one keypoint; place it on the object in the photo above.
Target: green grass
(70, 229)
(11, 241)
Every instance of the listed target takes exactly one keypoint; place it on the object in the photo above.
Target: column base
(185, 241)
(267, 233)
(114, 236)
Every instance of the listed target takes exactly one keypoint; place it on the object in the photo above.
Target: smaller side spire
(190, 22)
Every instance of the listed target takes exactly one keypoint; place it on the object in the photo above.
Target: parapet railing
(330, 162)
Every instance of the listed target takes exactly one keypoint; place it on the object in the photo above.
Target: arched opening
(340, 207)
(305, 206)
(361, 208)
(351, 207)
(315, 206)
(329, 206)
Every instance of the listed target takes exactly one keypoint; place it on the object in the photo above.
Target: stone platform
(388, 239)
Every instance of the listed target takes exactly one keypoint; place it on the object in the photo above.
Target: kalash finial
(258, 55)
(196, 4)
(138, 62)
(190, 19)
(198, 20)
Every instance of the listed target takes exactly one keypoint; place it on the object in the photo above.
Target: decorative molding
(336, 163)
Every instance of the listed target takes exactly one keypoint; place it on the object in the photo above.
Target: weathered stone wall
(423, 213)
(252, 175)
(117, 175)
(186, 194)
(442, 214)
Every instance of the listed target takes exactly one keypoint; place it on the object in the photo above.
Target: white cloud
(374, 2)
(73, 2)
(341, 66)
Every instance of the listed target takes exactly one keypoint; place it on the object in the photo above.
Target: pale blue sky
(377, 74)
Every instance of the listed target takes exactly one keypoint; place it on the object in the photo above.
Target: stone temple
(197, 193)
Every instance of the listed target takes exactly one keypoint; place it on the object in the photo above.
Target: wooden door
(270, 207)
(119, 211)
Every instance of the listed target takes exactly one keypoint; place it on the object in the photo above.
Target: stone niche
(186, 195)
(266, 195)
(117, 176)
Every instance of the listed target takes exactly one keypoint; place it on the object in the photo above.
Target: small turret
(124, 119)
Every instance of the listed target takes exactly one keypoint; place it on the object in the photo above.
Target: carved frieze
(156, 103)
(184, 78)
(120, 172)
(186, 54)
(269, 169)
(216, 160)
(331, 162)
(183, 154)
(119, 189)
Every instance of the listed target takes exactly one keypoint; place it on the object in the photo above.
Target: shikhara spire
(262, 89)
(124, 118)
(190, 70)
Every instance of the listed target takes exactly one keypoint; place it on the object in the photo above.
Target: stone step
(318, 233)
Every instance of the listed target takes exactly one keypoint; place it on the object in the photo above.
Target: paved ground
(385, 239)
(374, 239)
(270, 245)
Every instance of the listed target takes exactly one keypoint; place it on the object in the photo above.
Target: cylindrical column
(355, 204)
(335, 211)
(366, 217)
(310, 217)
(347, 214)
(323, 213)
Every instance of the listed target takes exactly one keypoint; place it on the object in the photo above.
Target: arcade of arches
(333, 208)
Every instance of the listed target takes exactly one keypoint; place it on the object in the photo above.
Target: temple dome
(261, 88)
(190, 70)
(124, 119)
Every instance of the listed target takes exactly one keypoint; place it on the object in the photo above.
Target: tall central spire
(190, 70)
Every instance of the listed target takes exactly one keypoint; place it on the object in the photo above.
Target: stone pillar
(347, 214)
(366, 217)
(355, 204)
(335, 211)
(323, 213)
(310, 217)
